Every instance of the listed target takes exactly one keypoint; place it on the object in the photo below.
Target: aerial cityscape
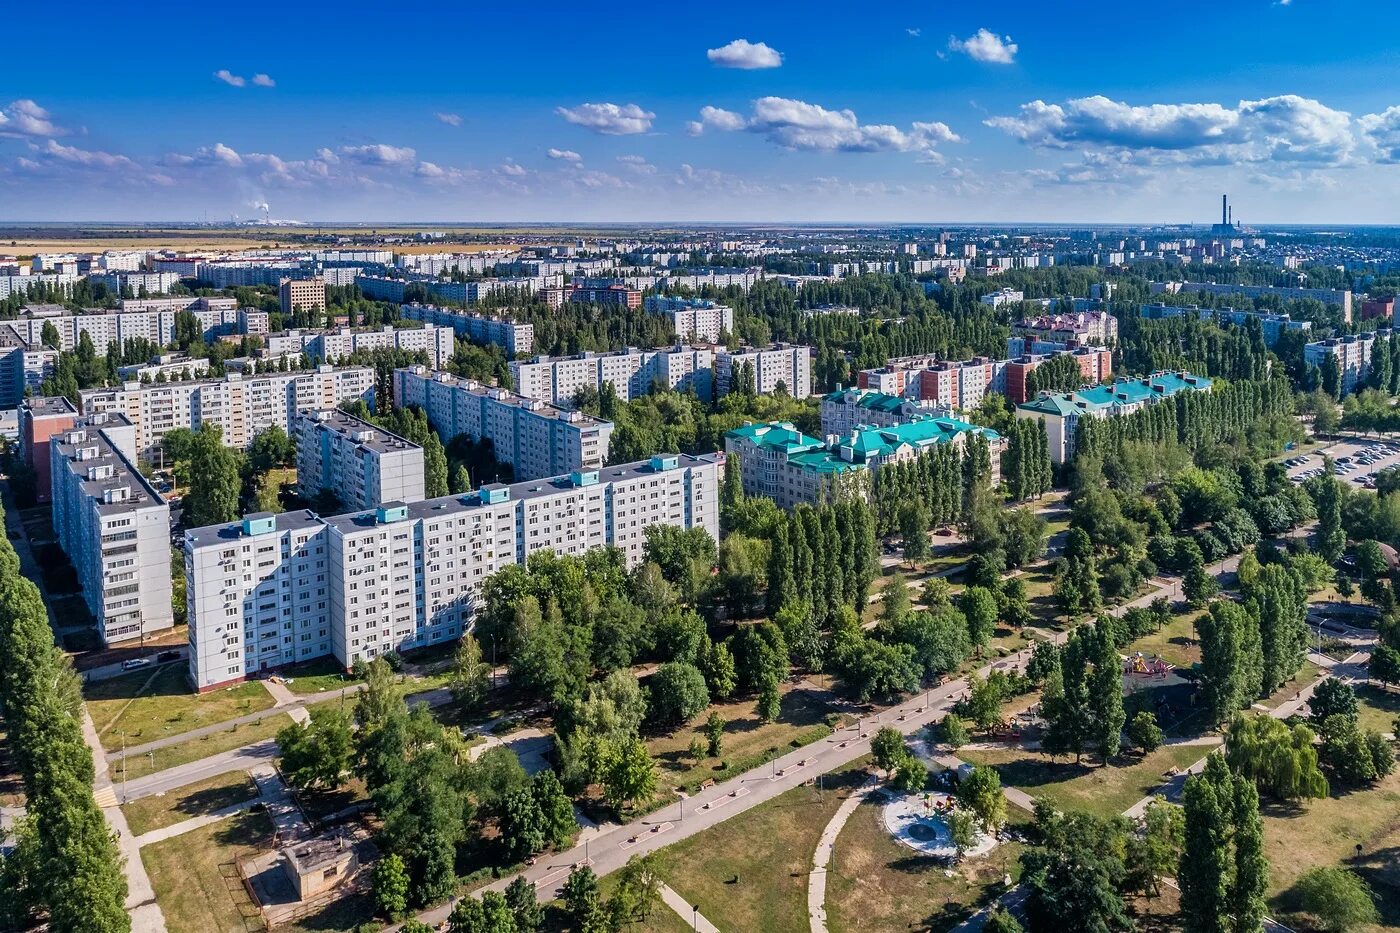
(751, 470)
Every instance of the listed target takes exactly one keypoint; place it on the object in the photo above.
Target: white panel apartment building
(334, 345)
(151, 319)
(241, 406)
(696, 319)
(538, 439)
(1353, 355)
(274, 589)
(791, 365)
(363, 464)
(113, 526)
(632, 373)
(517, 339)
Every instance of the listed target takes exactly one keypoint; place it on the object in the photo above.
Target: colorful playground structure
(1139, 665)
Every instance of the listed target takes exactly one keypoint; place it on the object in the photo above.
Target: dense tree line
(65, 866)
(1026, 469)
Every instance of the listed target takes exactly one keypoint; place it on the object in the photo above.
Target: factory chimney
(1224, 208)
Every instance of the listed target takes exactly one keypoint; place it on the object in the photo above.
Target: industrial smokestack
(1224, 208)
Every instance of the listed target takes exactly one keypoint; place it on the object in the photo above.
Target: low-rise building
(361, 463)
(114, 527)
(779, 462)
(536, 438)
(275, 589)
(1060, 411)
(1003, 296)
(240, 406)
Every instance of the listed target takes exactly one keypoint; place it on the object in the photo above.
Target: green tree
(952, 731)
(714, 734)
(1330, 538)
(1231, 660)
(315, 755)
(524, 904)
(678, 692)
(1074, 880)
(1338, 899)
(1144, 733)
(215, 480)
(1076, 578)
(582, 899)
(522, 824)
(913, 531)
(999, 921)
(887, 747)
(471, 676)
(983, 703)
(630, 776)
(1106, 692)
(556, 810)
(1281, 760)
(1154, 851)
(390, 886)
(962, 831)
(979, 608)
(980, 792)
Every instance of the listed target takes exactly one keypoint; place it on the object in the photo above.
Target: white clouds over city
(746, 55)
(799, 125)
(609, 119)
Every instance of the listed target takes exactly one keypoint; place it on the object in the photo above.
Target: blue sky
(911, 112)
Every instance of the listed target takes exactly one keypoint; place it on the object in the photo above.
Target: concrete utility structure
(113, 526)
(274, 589)
(1060, 411)
(361, 463)
(535, 437)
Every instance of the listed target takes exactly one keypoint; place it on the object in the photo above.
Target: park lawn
(1306, 675)
(315, 676)
(768, 850)
(148, 705)
(1174, 641)
(1006, 640)
(1378, 708)
(162, 810)
(748, 741)
(1089, 787)
(195, 876)
(875, 883)
(197, 749)
(1326, 832)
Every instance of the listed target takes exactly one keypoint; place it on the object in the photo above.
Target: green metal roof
(870, 400)
(1119, 392)
(776, 434)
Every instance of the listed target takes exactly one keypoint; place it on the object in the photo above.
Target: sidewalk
(687, 912)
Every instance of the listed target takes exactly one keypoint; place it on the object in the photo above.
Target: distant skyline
(912, 112)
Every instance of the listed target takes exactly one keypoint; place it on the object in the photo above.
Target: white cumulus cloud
(985, 46)
(796, 124)
(741, 53)
(563, 155)
(229, 78)
(262, 80)
(379, 154)
(451, 119)
(609, 119)
(26, 118)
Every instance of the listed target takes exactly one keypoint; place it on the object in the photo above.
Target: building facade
(276, 589)
(40, 420)
(1060, 411)
(333, 346)
(516, 339)
(361, 463)
(114, 527)
(631, 372)
(1077, 329)
(846, 410)
(301, 295)
(1352, 353)
(536, 438)
(693, 319)
(781, 363)
(240, 406)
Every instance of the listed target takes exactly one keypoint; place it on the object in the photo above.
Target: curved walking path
(821, 859)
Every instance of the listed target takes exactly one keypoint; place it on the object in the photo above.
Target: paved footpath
(688, 912)
(826, 846)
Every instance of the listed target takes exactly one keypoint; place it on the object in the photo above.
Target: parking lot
(1357, 461)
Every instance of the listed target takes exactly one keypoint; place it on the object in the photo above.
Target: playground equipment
(1141, 666)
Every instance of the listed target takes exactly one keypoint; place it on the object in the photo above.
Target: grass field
(200, 799)
(750, 872)
(876, 884)
(1327, 832)
(1173, 641)
(1306, 675)
(148, 705)
(1378, 708)
(195, 878)
(315, 676)
(195, 749)
(1098, 790)
(748, 741)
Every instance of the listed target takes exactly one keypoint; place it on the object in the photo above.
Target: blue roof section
(1119, 392)
(777, 434)
(861, 446)
(870, 400)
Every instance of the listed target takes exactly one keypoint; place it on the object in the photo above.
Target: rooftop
(92, 448)
(45, 406)
(503, 396)
(364, 434)
(1119, 392)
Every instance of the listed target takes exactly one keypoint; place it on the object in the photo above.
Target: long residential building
(847, 410)
(114, 527)
(515, 338)
(240, 406)
(782, 363)
(1272, 326)
(152, 319)
(1352, 353)
(273, 589)
(693, 319)
(1060, 411)
(1330, 296)
(779, 462)
(536, 438)
(1077, 329)
(24, 365)
(333, 346)
(631, 372)
(962, 384)
(363, 464)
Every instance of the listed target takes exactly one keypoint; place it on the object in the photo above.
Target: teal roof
(925, 432)
(1119, 392)
(871, 400)
(776, 434)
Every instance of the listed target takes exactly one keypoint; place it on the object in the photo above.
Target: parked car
(136, 663)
